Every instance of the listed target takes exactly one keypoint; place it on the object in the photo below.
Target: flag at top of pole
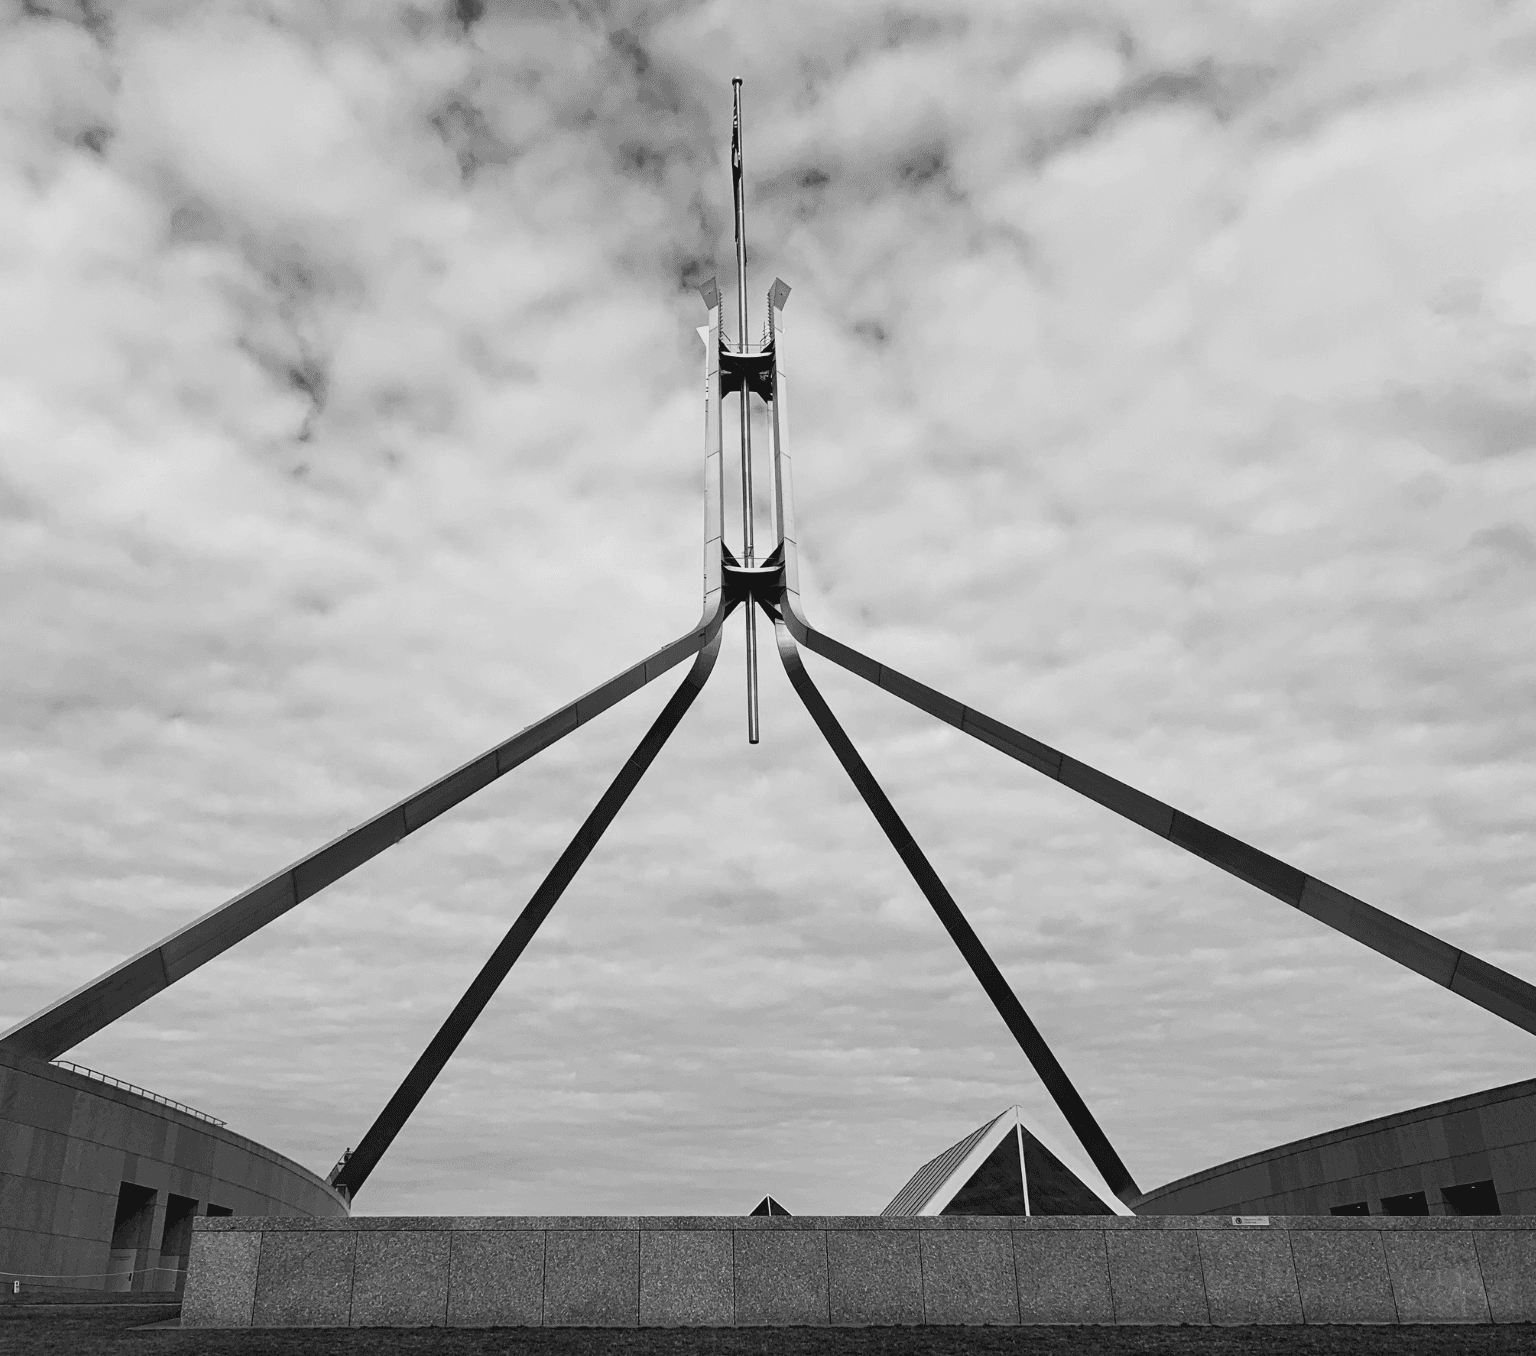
(736, 149)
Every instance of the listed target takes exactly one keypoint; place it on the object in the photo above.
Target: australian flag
(736, 161)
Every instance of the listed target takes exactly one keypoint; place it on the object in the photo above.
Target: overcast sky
(1163, 386)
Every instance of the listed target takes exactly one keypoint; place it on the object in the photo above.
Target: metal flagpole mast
(748, 553)
(774, 586)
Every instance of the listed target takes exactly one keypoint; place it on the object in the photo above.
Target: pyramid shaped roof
(769, 1206)
(1006, 1167)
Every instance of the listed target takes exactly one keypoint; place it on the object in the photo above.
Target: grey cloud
(1170, 453)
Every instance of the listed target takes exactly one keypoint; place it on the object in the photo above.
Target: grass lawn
(108, 1330)
(103, 1330)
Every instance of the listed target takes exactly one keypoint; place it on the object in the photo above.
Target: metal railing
(133, 1087)
(122, 1280)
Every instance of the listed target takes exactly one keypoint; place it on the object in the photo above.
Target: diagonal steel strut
(354, 1170)
(1495, 990)
(66, 1022)
(1039, 1054)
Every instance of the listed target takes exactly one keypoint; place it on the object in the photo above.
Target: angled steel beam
(1495, 990)
(1039, 1054)
(67, 1022)
(354, 1168)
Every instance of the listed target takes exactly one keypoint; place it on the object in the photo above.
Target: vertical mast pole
(748, 550)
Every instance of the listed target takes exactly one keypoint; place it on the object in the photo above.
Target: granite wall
(860, 1271)
(68, 1146)
(1484, 1136)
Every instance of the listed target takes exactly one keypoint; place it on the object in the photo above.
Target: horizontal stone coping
(792, 1223)
(862, 1271)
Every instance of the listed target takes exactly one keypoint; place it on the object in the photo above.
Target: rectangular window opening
(1409, 1203)
(176, 1241)
(131, 1224)
(1471, 1198)
(1353, 1208)
(135, 1215)
(217, 1210)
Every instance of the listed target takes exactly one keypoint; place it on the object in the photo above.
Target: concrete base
(783, 1271)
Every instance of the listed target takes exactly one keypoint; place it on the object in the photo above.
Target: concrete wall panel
(781, 1278)
(496, 1278)
(1250, 1276)
(874, 1277)
(221, 1280)
(1063, 1277)
(1342, 1276)
(46, 1160)
(1436, 1277)
(592, 1278)
(16, 1150)
(63, 1210)
(304, 1280)
(1155, 1277)
(47, 1107)
(1507, 1263)
(687, 1278)
(1506, 1123)
(1514, 1170)
(1464, 1131)
(968, 1277)
(26, 1204)
(400, 1279)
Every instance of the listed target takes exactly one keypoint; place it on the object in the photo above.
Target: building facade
(1473, 1155)
(99, 1183)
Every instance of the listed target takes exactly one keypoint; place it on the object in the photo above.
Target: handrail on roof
(134, 1088)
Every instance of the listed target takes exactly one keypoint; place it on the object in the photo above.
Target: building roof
(1433, 1111)
(930, 1179)
(769, 1206)
(1006, 1167)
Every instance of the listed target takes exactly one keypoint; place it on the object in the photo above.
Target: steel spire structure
(771, 586)
(748, 546)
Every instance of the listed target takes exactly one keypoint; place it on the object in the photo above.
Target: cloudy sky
(1163, 385)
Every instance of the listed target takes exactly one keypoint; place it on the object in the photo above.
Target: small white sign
(1251, 1221)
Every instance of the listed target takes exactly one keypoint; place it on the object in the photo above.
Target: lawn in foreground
(110, 1331)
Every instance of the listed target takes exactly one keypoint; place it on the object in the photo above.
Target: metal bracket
(752, 370)
(753, 583)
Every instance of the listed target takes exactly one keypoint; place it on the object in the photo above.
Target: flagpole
(748, 550)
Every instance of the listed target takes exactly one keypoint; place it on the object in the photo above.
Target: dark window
(1354, 1208)
(1472, 1198)
(1410, 1203)
(176, 1241)
(135, 1216)
(220, 1210)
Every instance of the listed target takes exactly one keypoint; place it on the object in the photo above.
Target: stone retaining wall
(861, 1271)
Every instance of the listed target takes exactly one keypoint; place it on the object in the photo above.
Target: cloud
(1160, 385)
